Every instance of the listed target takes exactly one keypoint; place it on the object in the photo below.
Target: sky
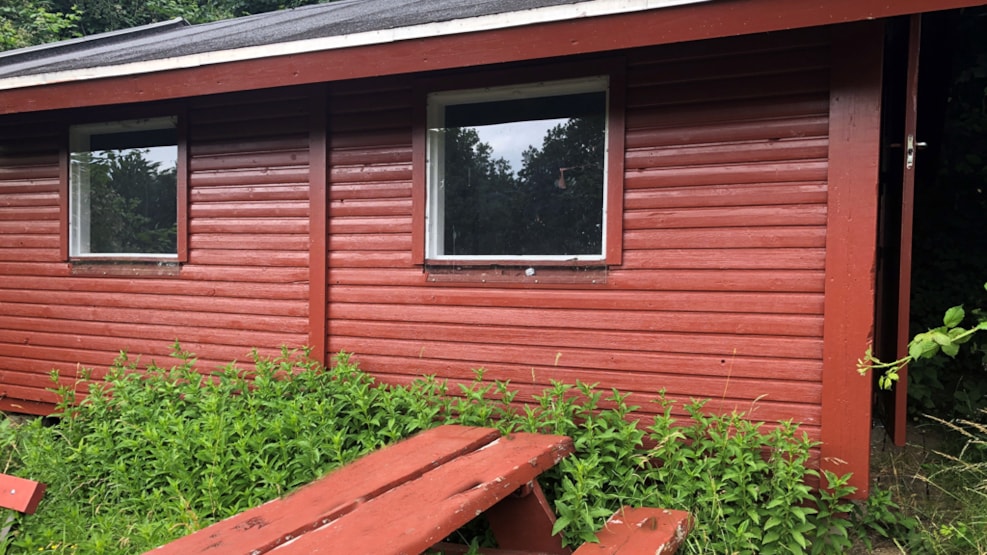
(509, 140)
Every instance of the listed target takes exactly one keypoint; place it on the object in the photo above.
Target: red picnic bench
(18, 494)
(408, 497)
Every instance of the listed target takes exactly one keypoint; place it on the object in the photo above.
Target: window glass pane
(123, 188)
(519, 177)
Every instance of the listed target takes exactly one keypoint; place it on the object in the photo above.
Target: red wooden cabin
(721, 246)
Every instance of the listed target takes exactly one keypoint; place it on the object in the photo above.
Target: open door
(899, 404)
(896, 214)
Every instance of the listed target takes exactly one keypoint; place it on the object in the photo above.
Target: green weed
(148, 455)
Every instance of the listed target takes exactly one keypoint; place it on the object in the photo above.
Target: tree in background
(562, 185)
(132, 202)
(480, 199)
(29, 22)
(99, 16)
(553, 206)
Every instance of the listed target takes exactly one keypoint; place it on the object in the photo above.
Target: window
(518, 173)
(123, 189)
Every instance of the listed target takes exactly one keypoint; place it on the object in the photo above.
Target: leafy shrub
(926, 365)
(151, 455)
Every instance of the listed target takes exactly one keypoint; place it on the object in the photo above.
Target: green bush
(150, 455)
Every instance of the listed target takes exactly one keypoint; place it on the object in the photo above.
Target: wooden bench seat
(20, 494)
(402, 500)
(639, 531)
(630, 531)
(408, 497)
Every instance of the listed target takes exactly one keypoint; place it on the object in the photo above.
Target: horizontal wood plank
(245, 177)
(454, 492)
(722, 195)
(263, 528)
(163, 286)
(569, 320)
(728, 174)
(725, 132)
(733, 152)
(370, 225)
(727, 259)
(473, 351)
(720, 238)
(643, 299)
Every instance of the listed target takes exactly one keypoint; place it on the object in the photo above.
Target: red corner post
(851, 247)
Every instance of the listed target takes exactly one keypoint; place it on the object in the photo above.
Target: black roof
(177, 38)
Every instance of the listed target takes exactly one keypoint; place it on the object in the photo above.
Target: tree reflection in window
(124, 190)
(551, 205)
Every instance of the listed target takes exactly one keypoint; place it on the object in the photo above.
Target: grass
(939, 482)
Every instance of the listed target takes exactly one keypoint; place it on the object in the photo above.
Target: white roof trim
(547, 14)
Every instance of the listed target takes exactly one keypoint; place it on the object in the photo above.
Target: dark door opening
(946, 220)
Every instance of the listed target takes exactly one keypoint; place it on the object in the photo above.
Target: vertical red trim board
(318, 258)
(183, 196)
(63, 194)
(851, 245)
(419, 168)
(616, 110)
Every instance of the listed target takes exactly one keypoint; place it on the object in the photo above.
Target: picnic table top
(400, 499)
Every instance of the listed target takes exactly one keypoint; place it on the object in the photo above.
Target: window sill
(526, 274)
(125, 268)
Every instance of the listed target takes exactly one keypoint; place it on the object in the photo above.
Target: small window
(518, 173)
(123, 189)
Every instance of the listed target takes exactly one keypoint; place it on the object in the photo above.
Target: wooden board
(20, 494)
(414, 516)
(400, 499)
(263, 528)
(639, 531)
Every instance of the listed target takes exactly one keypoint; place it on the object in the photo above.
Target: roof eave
(404, 51)
(521, 18)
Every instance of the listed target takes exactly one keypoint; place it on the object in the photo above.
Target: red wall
(720, 293)
(731, 148)
(244, 286)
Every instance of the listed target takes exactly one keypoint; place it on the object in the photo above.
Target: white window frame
(79, 185)
(435, 119)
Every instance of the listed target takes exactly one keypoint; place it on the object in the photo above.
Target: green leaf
(953, 316)
(941, 338)
(951, 349)
(923, 346)
(799, 538)
(560, 523)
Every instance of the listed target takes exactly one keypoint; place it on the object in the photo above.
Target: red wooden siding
(29, 244)
(720, 293)
(245, 284)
